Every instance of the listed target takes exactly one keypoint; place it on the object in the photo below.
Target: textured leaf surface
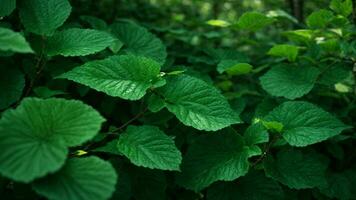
(34, 137)
(344, 7)
(253, 21)
(127, 76)
(304, 123)
(137, 40)
(256, 134)
(80, 179)
(12, 82)
(198, 104)
(12, 41)
(253, 186)
(289, 81)
(7, 6)
(284, 50)
(78, 42)
(148, 146)
(44, 17)
(215, 157)
(297, 170)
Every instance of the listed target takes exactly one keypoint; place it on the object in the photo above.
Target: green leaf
(34, 137)
(253, 21)
(297, 170)
(254, 186)
(343, 7)
(304, 123)
(6, 8)
(95, 22)
(12, 83)
(196, 103)
(256, 134)
(284, 50)
(44, 17)
(126, 76)
(319, 19)
(89, 178)
(148, 146)
(12, 41)
(288, 81)
(233, 67)
(78, 42)
(211, 158)
(137, 40)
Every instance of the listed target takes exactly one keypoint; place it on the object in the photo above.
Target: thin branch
(266, 150)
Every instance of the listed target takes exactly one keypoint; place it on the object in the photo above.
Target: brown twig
(266, 150)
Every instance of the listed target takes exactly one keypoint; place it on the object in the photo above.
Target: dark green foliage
(186, 100)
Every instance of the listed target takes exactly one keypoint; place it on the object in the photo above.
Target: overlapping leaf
(137, 40)
(297, 170)
(12, 83)
(12, 41)
(80, 179)
(34, 137)
(78, 42)
(7, 6)
(289, 81)
(198, 104)
(43, 17)
(148, 146)
(126, 76)
(215, 157)
(304, 123)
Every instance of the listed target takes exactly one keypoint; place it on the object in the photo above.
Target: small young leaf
(343, 7)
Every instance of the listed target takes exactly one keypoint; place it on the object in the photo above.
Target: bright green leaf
(234, 67)
(198, 104)
(88, 178)
(284, 50)
(34, 137)
(78, 42)
(213, 157)
(319, 19)
(290, 82)
(304, 123)
(126, 76)
(43, 17)
(343, 7)
(12, 41)
(253, 21)
(148, 146)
